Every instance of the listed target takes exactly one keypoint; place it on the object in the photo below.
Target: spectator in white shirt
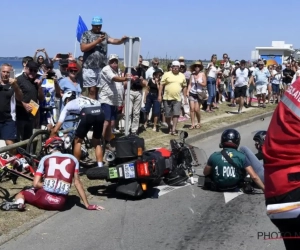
(153, 68)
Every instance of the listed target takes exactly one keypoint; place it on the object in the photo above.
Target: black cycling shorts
(90, 117)
(240, 91)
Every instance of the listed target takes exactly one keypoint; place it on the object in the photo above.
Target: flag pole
(75, 48)
(74, 55)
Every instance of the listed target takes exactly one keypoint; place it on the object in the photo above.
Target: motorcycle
(138, 174)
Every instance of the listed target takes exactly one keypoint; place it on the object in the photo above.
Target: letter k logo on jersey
(61, 167)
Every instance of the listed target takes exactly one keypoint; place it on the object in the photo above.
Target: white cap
(145, 63)
(175, 63)
(113, 56)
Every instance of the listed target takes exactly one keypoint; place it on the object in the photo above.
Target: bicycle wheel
(36, 143)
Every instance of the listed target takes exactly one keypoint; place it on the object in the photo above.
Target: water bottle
(67, 142)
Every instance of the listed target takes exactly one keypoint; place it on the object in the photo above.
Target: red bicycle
(20, 165)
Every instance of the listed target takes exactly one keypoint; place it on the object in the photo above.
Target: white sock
(100, 164)
(19, 201)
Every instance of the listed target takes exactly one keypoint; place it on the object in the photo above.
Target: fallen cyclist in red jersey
(58, 171)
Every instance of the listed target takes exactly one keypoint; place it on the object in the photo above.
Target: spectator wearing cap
(242, 77)
(25, 60)
(145, 65)
(152, 98)
(154, 67)
(30, 85)
(9, 93)
(108, 95)
(70, 83)
(261, 76)
(212, 72)
(181, 59)
(197, 83)
(93, 44)
(172, 84)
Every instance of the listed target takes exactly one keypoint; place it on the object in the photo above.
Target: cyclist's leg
(41, 199)
(253, 161)
(81, 132)
(97, 132)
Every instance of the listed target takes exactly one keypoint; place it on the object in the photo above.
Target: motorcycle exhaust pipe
(109, 156)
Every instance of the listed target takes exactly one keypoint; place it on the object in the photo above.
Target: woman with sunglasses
(40, 60)
(70, 83)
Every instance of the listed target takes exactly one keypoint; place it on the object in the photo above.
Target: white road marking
(228, 196)
(164, 189)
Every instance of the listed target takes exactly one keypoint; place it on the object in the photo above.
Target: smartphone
(50, 75)
(12, 74)
(63, 56)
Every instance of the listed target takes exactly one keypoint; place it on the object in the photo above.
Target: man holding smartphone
(9, 93)
(93, 44)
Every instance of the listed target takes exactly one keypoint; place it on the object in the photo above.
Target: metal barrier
(25, 142)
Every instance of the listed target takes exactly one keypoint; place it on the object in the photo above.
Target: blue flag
(81, 28)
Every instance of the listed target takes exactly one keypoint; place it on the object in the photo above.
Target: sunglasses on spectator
(155, 63)
(73, 71)
(33, 70)
(41, 58)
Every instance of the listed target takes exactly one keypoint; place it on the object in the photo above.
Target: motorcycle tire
(97, 173)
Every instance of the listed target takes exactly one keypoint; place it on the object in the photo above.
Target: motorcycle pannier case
(156, 163)
(128, 146)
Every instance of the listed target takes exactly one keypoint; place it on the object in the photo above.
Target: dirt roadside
(220, 118)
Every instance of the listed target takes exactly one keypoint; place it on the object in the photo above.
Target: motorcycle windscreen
(199, 157)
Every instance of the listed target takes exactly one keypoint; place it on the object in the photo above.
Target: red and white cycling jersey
(58, 170)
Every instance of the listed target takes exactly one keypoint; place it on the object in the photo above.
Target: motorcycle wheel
(97, 173)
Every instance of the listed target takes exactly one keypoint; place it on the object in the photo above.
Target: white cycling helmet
(71, 95)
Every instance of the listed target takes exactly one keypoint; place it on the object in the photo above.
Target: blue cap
(97, 20)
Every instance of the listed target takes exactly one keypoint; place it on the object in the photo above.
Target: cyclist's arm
(79, 187)
(71, 106)
(255, 177)
(37, 181)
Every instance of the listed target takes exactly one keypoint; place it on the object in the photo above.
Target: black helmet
(230, 138)
(260, 137)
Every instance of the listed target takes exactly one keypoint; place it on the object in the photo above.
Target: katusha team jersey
(58, 170)
(281, 149)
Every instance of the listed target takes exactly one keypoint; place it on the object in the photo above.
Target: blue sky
(190, 28)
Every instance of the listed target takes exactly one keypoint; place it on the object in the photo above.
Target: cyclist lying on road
(255, 160)
(90, 115)
(227, 169)
(58, 171)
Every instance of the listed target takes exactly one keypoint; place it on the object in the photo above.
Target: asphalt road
(186, 218)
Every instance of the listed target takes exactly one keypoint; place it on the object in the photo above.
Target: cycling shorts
(44, 200)
(91, 117)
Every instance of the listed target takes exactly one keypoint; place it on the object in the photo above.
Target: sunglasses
(41, 58)
(155, 63)
(33, 70)
(73, 71)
